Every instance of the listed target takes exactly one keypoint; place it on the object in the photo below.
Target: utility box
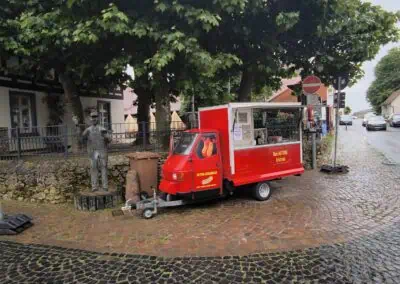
(146, 166)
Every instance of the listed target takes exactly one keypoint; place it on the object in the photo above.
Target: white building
(130, 109)
(23, 105)
(391, 105)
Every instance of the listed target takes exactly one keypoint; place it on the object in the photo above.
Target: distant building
(325, 111)
(391, 105)
(285, 94)
(130, 109)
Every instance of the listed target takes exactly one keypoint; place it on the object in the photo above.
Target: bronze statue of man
(97, 142)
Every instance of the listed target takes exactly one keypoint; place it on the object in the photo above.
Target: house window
(243, 117)
(104, 109)
(22, 110)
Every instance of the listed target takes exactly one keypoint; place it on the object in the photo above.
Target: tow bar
(150, 205)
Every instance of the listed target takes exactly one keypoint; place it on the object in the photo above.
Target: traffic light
(342, 100)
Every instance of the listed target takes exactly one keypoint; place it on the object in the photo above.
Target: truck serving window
(185, 143)
(276, 126)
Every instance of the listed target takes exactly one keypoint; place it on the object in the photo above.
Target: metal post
(193, 114)
(314, 150)
(66, 141)
(229, 86)
(144, 134)
(337, 119)
(1, 213)
(18, 143)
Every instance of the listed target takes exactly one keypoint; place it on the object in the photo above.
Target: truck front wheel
(262, 191)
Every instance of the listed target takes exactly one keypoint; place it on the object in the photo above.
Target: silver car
(365, 120)
(394, 120)
(376, 123)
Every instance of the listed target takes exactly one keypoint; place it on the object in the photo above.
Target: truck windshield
(185, 143)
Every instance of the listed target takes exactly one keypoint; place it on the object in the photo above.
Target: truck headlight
(177, 176)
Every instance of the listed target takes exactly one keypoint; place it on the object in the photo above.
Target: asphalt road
(387, 142)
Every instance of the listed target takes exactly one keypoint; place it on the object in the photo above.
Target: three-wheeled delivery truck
(235, 145)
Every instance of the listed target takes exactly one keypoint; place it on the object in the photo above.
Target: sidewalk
(304, 212)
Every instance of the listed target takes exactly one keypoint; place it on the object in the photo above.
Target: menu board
(238, 133)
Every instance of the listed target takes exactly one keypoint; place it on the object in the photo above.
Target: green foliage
(176, 45)
(74, 37)
(347, 110)
(387, 81)
(209, 92)
(349, 32)
(263, 95)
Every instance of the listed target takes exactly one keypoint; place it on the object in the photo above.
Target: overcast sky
(356, 95)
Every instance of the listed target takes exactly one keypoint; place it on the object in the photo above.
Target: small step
(15, 224)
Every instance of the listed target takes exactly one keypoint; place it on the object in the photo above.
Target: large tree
(275, 38)
(81, 43)
(387, 81)
(165, 50)
(348, 33)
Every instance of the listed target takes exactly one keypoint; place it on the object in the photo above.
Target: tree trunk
(163, 113)
(246, 85)
(72, 100)
(143, 115)
(73, 108)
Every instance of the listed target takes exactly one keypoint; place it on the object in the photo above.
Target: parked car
(365, 120)
(394, 120)
(376, 123)
(346, 120)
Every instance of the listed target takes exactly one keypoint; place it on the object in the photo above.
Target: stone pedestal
(92, 201)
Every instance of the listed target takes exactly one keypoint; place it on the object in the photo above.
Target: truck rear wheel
(262, 191)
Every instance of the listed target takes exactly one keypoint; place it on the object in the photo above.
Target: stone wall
(54, 181)
(57, 181)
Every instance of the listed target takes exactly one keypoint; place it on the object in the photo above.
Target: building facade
(28, 108)
(391, 105)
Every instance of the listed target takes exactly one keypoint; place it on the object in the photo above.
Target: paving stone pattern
(371, 259)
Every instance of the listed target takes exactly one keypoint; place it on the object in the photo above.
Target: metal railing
(65, 141)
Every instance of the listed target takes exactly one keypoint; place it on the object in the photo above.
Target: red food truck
(235, 145)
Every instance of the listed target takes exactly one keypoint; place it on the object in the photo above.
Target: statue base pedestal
(93, 201)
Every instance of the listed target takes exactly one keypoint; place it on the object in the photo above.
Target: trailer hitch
(149, 207)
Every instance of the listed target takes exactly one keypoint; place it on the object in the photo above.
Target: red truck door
(207, 165)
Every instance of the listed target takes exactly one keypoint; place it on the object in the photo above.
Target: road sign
(344, 81)
(311, 84)
(313, 100)
(342, 99)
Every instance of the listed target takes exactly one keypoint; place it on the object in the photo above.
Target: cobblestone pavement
(341, 229)
(370, 259)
